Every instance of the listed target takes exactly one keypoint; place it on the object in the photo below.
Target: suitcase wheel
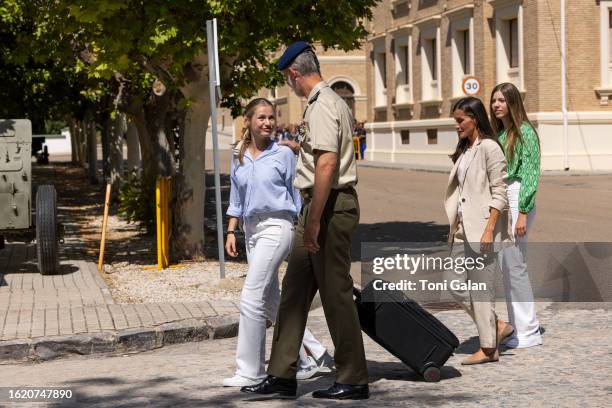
(431, 374)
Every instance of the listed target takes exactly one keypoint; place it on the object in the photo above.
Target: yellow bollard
(162, 195)
(167, 224)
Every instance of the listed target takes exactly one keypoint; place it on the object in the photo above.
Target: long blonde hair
(246, 138)
(517, 113)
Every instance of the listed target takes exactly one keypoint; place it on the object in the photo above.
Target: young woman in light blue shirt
(263, 197)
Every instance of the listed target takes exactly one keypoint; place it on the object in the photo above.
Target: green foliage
(56, 57)
(41, 77)
(164, 37)
(137, 202)
(54, 127)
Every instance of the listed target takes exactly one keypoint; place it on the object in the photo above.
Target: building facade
(420, 51)
(343, 71)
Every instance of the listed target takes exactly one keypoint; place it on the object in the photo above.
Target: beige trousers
(477, 302)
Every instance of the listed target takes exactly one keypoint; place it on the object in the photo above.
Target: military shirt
(328, 125)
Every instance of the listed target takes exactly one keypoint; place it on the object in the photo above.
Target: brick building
(419, 52)
(344, 71)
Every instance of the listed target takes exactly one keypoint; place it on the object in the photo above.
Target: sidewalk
(571, 369)
(44, 317)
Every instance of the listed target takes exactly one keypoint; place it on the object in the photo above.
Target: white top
(464, 161)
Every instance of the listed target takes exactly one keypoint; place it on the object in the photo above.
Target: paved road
(572, 369)
(402, 205)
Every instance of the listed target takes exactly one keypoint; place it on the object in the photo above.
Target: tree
(167, 40)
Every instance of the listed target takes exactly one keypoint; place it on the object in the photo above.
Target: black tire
(431, 374)
(46, 230)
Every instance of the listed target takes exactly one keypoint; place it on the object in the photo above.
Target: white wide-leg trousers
(519, 294)
(268, 241)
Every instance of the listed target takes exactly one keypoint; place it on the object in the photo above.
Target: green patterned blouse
(525, 166)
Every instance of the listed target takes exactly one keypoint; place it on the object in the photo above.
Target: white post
(566, 163)
(213, 83)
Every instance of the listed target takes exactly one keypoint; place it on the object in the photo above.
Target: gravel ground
(132, 276)
(190, 282)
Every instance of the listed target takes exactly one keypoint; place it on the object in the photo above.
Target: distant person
(278, 133)
(292, 129)
(356, 146)
(522, 148)
(475, 204)
(263, 197)
(361, 133)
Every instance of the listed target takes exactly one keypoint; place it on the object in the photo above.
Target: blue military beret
(291, 53)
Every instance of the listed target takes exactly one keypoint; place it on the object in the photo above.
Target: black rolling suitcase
(406, 330)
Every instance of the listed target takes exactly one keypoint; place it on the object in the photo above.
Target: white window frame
(506, 10)
(403, 89)
(461, 19)
(431, 90)
(605, 89)
(380, 87)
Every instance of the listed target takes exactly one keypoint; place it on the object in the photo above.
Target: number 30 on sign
(471, 86)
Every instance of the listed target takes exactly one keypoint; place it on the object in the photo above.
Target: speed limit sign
(471, 86)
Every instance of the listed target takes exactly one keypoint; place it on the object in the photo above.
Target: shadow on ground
(167, 391)
(81, 205)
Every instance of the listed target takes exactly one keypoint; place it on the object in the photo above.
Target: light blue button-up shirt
(264, 185)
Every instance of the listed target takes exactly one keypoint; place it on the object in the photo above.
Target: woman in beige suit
(476, 208)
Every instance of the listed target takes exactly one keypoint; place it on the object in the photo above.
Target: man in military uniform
(321, 255)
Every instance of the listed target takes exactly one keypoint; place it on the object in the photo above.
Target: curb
(133, 340)
(404, 167)
(446, 170)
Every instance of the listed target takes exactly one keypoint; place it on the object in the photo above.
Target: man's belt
(306, 193)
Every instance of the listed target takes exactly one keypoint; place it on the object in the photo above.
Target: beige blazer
(484, 187)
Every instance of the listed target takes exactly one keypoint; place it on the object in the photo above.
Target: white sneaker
(325, 363)
(530, 341)
(239, 381)
(307, 372)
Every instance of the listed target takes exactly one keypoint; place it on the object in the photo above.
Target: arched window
(346, 92)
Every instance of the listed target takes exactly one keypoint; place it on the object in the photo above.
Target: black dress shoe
(274, 386)
(344, 391)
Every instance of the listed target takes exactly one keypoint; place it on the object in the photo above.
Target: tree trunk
(133, 148)
(74, 152)
(105, 138)
(154, 146)
(116, 154)
(188, 221)
(82, 132)
(92, 148)
(156, 113)
(147, 150)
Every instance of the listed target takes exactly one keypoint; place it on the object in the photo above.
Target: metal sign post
(213, 84)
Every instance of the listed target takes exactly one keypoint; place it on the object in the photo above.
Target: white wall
(590, 141)
(58, 144)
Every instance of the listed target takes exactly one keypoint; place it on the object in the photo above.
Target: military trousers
(327, 271)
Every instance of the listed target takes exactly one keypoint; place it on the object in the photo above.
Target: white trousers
(519, 294)
(268, 241)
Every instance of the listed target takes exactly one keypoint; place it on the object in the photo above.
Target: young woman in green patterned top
(522, 148)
